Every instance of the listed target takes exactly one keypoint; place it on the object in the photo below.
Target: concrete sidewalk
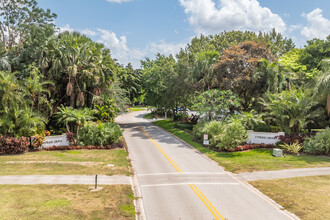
(65, 179)
(281, 174)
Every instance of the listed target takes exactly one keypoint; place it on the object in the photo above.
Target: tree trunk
(73, 99)
(328, 104)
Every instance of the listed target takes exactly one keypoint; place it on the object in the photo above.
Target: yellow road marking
(197, 191)
(207, 201)
(176, 167)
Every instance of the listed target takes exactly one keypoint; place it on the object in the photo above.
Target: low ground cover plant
(293, 147)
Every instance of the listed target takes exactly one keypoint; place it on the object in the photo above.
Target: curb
(139, 209)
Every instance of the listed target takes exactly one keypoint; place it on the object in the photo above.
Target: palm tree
(37, 87)
(323, 83)
(291, 110)
(202, 70)
(79, 65)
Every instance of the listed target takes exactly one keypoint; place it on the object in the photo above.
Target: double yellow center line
(200, 195)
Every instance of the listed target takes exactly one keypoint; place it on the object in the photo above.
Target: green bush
(98, 133)
(234, 134)
(198, 130)
(319, 144)
(213, 129)
(221, 134)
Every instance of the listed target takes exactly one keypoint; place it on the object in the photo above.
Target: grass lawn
(254, 160)
(137, 108)
(75, 162)
(65, 202)
(307, 197)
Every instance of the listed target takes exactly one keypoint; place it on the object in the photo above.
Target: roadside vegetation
(306, 197)
(252, 160)
(53, 83)
(66, 202)
(239, 81)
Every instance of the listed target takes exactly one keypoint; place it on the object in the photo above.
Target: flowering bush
(249, 147)
(37, 141)
(89, 147)
(295, 138)
(10, 145)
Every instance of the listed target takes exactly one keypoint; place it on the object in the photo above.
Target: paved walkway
(280, 174)
(65, 179)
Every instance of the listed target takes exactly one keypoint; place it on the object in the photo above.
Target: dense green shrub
(234, 134)
(10, 145)
(221, 134)
(98, 133)
(198, 130)
(211, 128)
(319, 144)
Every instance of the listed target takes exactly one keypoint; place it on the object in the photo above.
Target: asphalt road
(178, 182)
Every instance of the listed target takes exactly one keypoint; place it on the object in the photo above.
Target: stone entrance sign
(263, 137)
(59, 140)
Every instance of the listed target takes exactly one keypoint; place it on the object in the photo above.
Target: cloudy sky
(134, 29)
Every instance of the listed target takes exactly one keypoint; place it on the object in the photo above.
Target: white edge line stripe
(180, 173)
(179, 184)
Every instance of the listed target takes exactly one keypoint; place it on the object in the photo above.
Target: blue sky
(134, 29)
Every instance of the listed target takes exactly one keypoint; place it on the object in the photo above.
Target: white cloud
(118, 1)
(209, 17)
(124, 54)
(318, 26)
(120, 50)
(165, 48)
(89, 32)
(294, 27)
(66, 28)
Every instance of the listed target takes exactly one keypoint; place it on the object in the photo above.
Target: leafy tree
(130, 80)
(278, 44)
(16, 116)
(38, 89)
(18, 18)
(214, 103)
(158, 78)
(235, 69)
(314, 52)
